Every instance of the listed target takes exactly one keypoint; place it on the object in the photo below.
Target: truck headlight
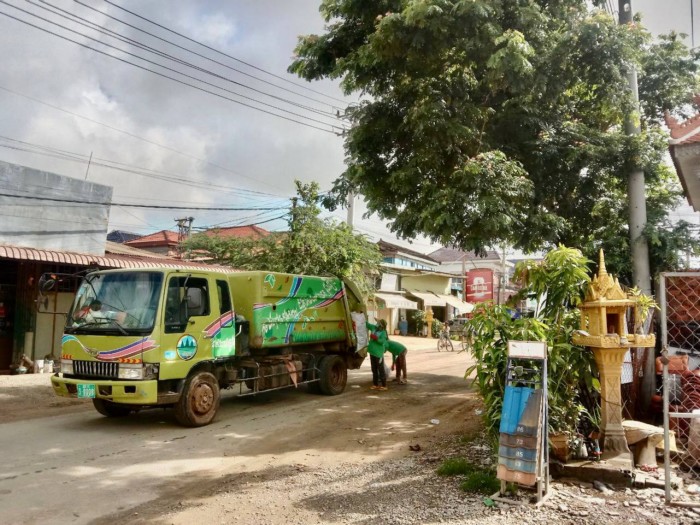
(130, 371)
(67, 366)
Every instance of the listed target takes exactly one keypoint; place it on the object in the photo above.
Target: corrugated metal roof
(121, 249)
(248, 231)
(161, 238)
(106, 261)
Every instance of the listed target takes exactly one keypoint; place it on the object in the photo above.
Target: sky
(237, 142)
(58, 95)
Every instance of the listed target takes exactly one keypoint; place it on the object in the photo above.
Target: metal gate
(679, 301)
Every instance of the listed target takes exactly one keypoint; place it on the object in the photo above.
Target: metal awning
(428, 298)
(462, 307)
(395, 301)
(104, 261)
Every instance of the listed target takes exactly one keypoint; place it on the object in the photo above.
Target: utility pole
(293, 221)
(641, 275)
(184, 229)
(635, 182)
(351, 210)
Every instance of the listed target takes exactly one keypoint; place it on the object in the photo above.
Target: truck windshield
(121, 302)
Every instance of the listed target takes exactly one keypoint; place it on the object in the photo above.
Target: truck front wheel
(199, 400)
(110, 409)
(333, 375)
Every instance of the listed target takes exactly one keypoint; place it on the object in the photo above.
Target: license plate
(86, 391)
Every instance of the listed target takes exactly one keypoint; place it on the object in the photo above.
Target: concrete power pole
(641, 274)
(351, 210)
(635, 182)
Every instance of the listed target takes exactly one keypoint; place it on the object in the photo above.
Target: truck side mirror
(195, 302)
(47, 282)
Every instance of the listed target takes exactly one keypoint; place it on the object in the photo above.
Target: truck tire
(333, 375)
(111, 409)
(199, 400)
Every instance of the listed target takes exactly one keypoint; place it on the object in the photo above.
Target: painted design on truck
(225, 321)
(285, 319)
(122, 352)
(222, 333)
(187, 347)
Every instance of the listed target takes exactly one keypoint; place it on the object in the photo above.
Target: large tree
(312, 246)
(490, 121)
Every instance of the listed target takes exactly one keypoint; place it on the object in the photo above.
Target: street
(75, 466)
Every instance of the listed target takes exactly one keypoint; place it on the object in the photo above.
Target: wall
(426, 283)
(52, 225)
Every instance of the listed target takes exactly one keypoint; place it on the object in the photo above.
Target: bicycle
(444, 342)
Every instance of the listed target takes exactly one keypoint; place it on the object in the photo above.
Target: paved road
(80, 467)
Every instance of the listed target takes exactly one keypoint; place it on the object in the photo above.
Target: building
(121, 237)
(249, 232)
(48, 211)
(487, 277)
(164, 242)
(412, 283)
(684, 147)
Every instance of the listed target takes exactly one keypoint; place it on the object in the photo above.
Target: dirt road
(75, 466)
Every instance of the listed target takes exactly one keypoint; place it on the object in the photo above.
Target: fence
(679, 301)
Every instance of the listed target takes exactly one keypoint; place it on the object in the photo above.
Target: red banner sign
(479, 285)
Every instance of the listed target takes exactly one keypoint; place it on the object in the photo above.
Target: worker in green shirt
(376, 348)
(398, 360)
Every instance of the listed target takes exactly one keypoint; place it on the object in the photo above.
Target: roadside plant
(418, 317)
(557, 285)
(645, 304)
(436, 327)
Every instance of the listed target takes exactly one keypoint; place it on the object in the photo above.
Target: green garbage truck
(176, 337)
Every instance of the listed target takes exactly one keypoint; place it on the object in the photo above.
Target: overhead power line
(170, 42)
(172, 70)
(133, 205)
(127, 168)
(127, 133)
(73, 18)
(221, 52)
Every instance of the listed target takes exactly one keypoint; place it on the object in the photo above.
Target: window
(224, 297)
(186, 297)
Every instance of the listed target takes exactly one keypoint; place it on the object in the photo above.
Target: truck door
(187, 314)
(222, 331)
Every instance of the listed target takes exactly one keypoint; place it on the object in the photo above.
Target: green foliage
(436, 328)
(481, 482)
(455, 467)
(557, 285)
(313, 246)
(490, 121)
(418, 317)
(477, 479)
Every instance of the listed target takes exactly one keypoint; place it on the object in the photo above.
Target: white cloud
(214, 29)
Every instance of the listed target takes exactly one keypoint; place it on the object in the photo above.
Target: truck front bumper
(127, 392)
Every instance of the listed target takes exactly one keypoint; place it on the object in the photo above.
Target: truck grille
(96, 369)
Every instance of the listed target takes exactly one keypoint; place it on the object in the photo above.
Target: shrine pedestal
(614, 442)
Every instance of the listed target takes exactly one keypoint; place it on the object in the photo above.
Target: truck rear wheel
(333, 375)
(110, 409)
(199, 400)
